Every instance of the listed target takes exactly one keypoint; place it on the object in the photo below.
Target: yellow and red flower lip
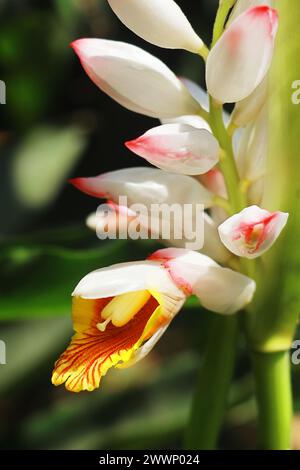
(98, 343)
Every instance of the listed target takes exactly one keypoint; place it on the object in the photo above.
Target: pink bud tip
(271, 13)
(131, 144)
(77, 182)
(75, 46)
(80, 46)
(85, 185)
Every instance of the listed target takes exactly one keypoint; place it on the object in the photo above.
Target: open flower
(252, 232)
(160, 22)
(120, 312)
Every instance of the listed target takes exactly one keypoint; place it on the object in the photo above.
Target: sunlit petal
(160, 22)
(219, 289)
(239, 61)
(145, 186)
(134, 78)
(178, 148)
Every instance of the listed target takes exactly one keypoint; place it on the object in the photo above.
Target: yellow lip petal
(91, 353)
(122, 308)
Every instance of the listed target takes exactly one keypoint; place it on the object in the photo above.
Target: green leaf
(38, 281)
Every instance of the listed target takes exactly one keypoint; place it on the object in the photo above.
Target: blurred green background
(56, 125)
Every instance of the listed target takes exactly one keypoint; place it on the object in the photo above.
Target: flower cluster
(202, 155)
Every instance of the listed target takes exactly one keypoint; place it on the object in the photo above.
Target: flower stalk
(277, 293)
(227, 162)
(274, 315)
(270, 370)
(223, 10)
(212, 386)
(216, 373)
(274, 399)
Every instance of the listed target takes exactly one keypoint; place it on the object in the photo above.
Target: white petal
(92, 221)
(132, 277)
(191, 120)
(166, 206)
(243, 5)
(127, 277)
(256, 192)
(145, 186)
(178, 148)
(111, 222)
(239, 61)
(219, 289)
(160, 22)
(214, 181)
(222, 290)
(252, 149)
(213, 247)
(247, 110)
(202, 97)
(252, 231)
(197, 92)
(134, 78)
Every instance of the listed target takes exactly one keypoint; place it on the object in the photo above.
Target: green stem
(274, 399)
(222, 202)
(237, 197)
(212, 387)
(224, 8)
(215, 376)
(227, 161)
(204, 114)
